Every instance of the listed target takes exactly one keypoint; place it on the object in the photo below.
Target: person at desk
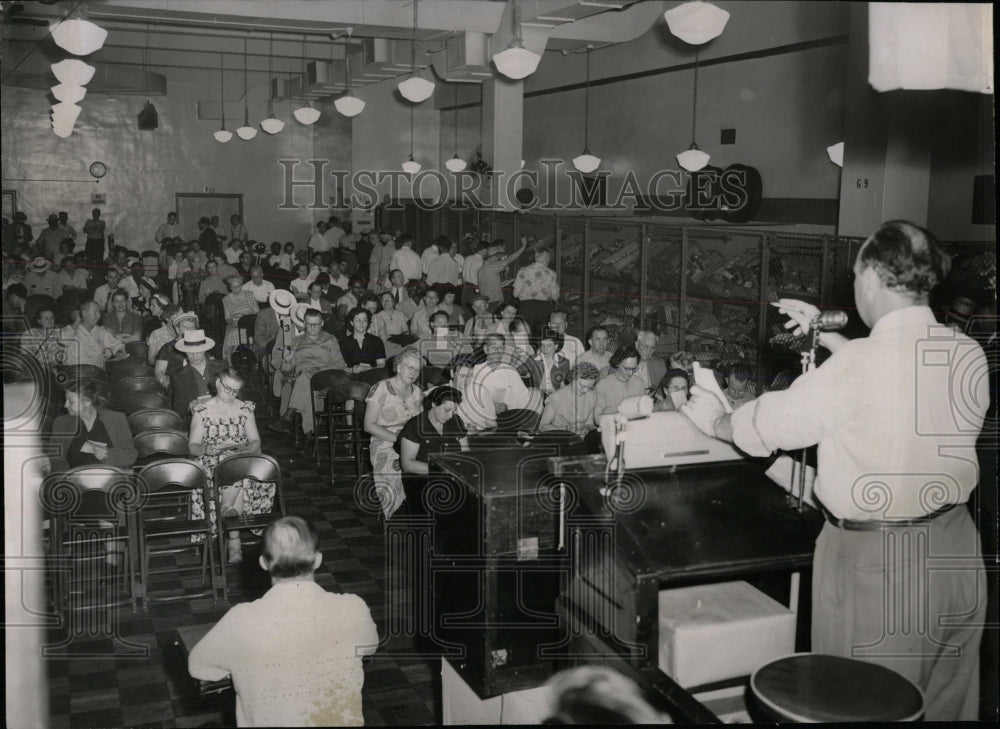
(502, 382)
(89, 434)
(435, 430)
(620, 384)
(294, 654)
(896, 423)
(571, 407)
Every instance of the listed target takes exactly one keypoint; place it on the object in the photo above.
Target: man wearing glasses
(312, 351)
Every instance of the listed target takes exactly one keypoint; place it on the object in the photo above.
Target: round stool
(808, 687)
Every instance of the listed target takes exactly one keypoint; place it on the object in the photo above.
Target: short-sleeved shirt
(611, 391)
(536, 282)
(419, 430)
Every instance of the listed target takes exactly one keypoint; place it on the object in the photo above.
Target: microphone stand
(808, 364)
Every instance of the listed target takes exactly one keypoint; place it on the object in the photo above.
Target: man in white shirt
(598, 354)
(427, 257)
(898, 577)
(501, 380)
(300, 285)
(406, 259)
(87, 342)
(471, 265)
(651, 368)
(103, 293)
(572, 347)
(318, 242)
(304, 668)
(171, 229)
(257, 286)
(333, 233)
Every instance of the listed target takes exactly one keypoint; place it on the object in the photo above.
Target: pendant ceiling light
(149, 119)
(836, 153)
(411, 166)
(222, 135)
(73, 72)
(305, 114)
(271, 125)
(693, 159)
(348, 104)
(79, 37)
(415, 88)
(587, 162)
(516, 61)
(246, 132)
(456, 163)
(696, 22)
(70, 93)
(64, 116)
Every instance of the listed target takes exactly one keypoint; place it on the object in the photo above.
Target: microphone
(830, 321)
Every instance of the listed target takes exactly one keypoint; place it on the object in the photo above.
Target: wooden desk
(187, 639)
(693, 524)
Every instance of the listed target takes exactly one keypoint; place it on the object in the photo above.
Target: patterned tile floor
(99, 682)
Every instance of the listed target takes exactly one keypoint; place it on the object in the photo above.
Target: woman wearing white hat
(191, 382)
(169, 359)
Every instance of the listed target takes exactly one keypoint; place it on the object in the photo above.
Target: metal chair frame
(164, 488)
(349, 424)
(154, 419)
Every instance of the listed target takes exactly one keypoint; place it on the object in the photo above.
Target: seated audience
(597, 353)
(41, 342)
(257, 286)
(739, 384)
(224, 426)
(651, 368)
(169, 360)
(102, 295)
(315, 299)
(121, 322)
(390, 404)
(476, 408)
(300, 284)
(86, 342)
(154, 321)
(502, 381)
(420, 321)
(312, 351)
(213, 283)
(236, 304)
(361, 349)
(305, 668)
(190, 382)
(621, 383)
(71, 277)
(431, 432)
(390, 326)
(41, 279)
(90, 434)
(352, 299)
(481, 322)
(572, 347)
(672, 392)
(572, 407)
(548, 369)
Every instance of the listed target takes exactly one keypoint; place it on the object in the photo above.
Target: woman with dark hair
(89, 434)
(620, 383)
(548, 369)
(224, 426)
(447, 293)
(362, 351)
(121, 322)
(672, 392)
(572, 407)
(427, 434)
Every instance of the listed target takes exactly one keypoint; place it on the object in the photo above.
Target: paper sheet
(704, 377)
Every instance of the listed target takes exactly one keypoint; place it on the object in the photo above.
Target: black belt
(874, 525)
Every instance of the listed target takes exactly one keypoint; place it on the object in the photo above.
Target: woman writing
(621, 383)
(436, 429)
(362, 351)
(572, 407)
(224, 426)
(89, 434)
(391, 403)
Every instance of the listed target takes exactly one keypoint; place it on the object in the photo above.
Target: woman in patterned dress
(391, 403)
(389, 322)
(236, 304)
(224, 426)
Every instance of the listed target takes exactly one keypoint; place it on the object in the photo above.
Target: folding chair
(260, 468)
(346, 427)
(154, 419)
(320, 386)
(166, 527)
(128, 371)
(92, 522)
(143, 400)
(155, 445)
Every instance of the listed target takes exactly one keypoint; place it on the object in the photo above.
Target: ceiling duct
(383, 58)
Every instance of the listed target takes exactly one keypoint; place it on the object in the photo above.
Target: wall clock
(98, 169)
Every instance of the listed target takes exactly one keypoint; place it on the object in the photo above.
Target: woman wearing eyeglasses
(620, 383)
(224, 426)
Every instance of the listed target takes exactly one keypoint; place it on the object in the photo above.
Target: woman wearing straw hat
(190, 383)
(236, 304)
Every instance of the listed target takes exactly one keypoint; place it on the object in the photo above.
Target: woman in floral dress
(391, 403)
(236, 304)
(224, 426)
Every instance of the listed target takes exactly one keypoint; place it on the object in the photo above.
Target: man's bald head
(290, 548)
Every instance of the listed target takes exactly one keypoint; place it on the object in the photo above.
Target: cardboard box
(721, 631)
